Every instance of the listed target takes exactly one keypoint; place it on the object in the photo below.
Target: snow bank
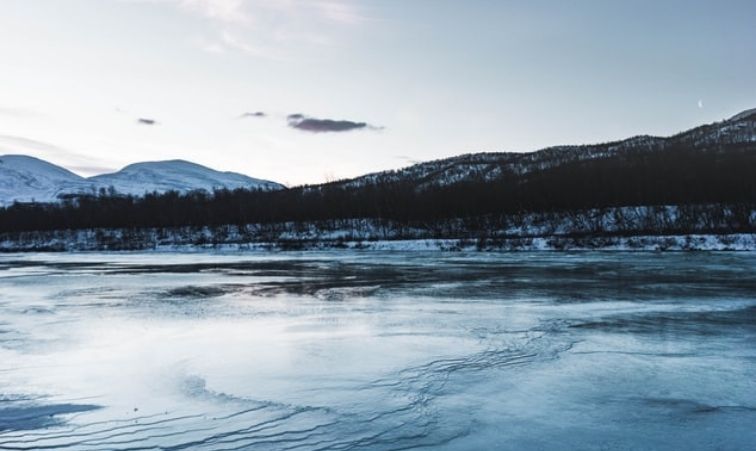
(707, 227)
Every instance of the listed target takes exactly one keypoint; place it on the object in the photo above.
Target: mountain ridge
(177, 175)
(739, 129)
(182, 175)
(25, 178)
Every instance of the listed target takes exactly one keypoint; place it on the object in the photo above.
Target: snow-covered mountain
(177, 175)
(29, 179)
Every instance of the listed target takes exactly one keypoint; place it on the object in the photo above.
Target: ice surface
(378, 350)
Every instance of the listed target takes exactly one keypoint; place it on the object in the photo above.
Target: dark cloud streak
(314, 125)
(408, 159)
(146, 121)
(255, 114)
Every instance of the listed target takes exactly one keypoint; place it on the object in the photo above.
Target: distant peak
(22, 158)
(163, 163)
(744, 115)
(30, 163)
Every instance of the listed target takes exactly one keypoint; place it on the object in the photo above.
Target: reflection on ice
(343, 350)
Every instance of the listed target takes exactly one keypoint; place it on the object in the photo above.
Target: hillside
(702, 180)
(740, 130)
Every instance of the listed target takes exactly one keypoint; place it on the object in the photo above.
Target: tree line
(676, 175)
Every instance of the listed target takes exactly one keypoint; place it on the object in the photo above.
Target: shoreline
(740, 242)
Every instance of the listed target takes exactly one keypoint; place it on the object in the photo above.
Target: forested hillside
(713, 165)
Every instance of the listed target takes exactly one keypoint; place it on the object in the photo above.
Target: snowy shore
(74, 241)
(656, 228)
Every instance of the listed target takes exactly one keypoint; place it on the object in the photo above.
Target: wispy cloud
(272, 29)
(228, 40)
(231, 11)
(83, 164)
(18, 112)
(339, 11)
(256, 12)
(314, 125)
(253, 114)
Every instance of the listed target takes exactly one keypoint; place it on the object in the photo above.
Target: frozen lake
(350, 350)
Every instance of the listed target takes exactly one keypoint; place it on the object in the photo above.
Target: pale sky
(93, 85)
